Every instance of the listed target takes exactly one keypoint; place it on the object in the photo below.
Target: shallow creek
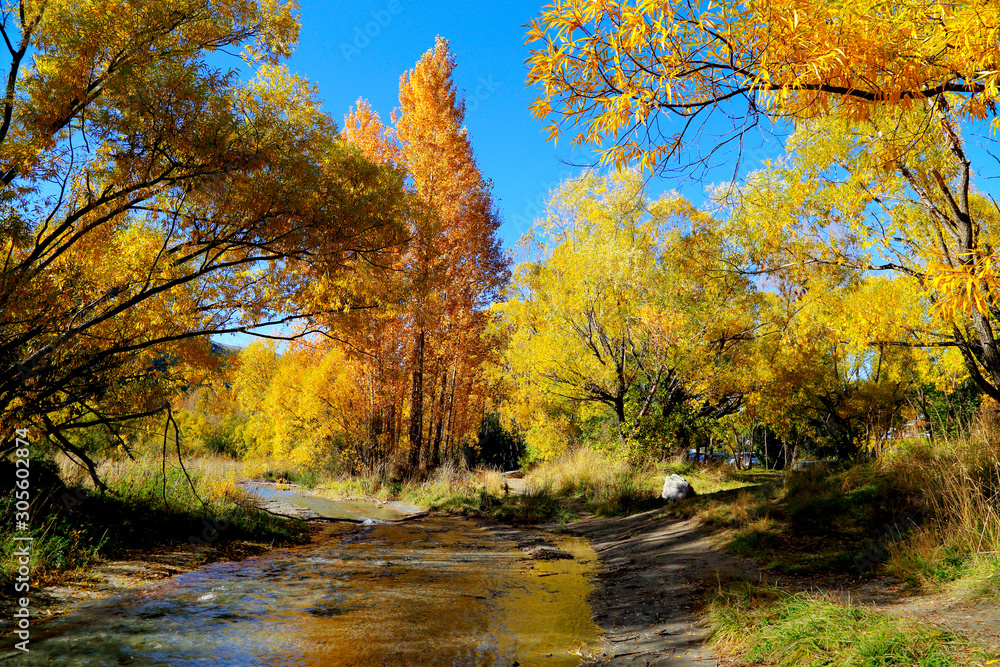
(431, 591)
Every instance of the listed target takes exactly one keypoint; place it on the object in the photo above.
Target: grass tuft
(761, 624)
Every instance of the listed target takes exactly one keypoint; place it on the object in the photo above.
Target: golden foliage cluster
(608, 70)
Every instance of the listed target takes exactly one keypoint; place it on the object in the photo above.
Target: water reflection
(341, 510)
(430, 592)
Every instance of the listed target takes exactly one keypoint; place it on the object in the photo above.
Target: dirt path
(978, 621)
(653, 573)
(516, 485)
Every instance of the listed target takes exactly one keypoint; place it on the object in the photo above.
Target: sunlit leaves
(966, 286)
(624, 310)
(420, 358)
(608, 71)
(887, 195)
(159, 199)
(301, 406)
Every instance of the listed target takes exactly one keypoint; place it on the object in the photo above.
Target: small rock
(676, 487)
(546, 553)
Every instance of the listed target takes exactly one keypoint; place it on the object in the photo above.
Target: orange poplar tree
(457, 263)
(452, 270)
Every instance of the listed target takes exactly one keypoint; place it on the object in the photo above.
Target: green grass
(812, 523)
(980, 581)
(926, 515)
(762, 625)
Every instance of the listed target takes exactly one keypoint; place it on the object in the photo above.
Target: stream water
(433, 591)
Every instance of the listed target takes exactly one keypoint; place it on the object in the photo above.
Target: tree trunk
(417, 403)
(439, 423)
(448, 444)
(620, 412)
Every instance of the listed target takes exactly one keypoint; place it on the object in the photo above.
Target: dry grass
(450, 481)
(580, 479)
(77, 526)
(929, 514)
(745, 508)
(959, 482)
(613, 485)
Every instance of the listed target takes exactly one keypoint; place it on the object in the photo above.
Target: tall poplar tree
(457, 261)
(454, 265)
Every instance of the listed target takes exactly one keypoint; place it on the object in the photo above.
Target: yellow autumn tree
(301, 405)
(825, 385)
(881, 91)
(610, 71)
(413, 325)
(625, 318)
(834, 206)
(151, 199)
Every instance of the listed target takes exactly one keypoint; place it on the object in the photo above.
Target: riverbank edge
(650, 581)
(657, 573)
(652, 578)
(61, 592)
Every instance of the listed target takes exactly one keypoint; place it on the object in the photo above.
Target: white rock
(676, 487)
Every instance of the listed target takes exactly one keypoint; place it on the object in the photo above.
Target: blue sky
(360, 49)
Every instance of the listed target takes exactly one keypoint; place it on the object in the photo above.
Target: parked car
(706, 456)
(746, 460)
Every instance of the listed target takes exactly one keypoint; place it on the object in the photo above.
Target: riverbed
(429, 591)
